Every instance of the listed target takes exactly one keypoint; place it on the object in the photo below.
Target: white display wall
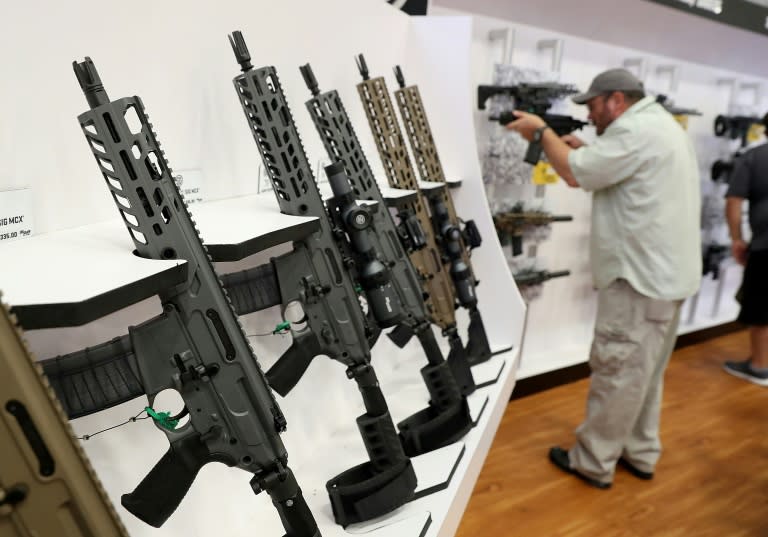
(560, 322)
(175, 55)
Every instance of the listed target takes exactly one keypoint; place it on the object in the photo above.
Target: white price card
(16, 219)
(190, 184)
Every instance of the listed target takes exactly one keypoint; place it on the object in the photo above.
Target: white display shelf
(71, 277)
(397, 196)
(234, 228)
(96, 272)
(488, 372)
(431, 186)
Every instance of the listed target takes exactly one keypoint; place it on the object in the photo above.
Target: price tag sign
(683, 120)
(190, 184)
(544, 174)
(16, 220)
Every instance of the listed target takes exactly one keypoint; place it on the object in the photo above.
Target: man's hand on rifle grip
(526, 124)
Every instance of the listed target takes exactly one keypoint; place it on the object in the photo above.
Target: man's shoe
(559, 458)
(744, 370)
(632, 469)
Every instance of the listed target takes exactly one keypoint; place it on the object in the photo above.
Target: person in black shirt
(749, 181)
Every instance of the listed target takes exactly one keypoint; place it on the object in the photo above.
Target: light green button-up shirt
(646, 203)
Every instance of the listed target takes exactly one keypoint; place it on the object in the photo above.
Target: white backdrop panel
(561, 321)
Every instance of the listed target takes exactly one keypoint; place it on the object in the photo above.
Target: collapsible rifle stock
(315, 277)
(196, 346)
(447, 418)
(426, 256)
(453, 240)
(47, 485)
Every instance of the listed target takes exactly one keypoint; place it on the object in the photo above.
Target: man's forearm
(733, 216)
(557, 152)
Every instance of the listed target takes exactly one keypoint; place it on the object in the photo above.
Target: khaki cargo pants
(634, 338)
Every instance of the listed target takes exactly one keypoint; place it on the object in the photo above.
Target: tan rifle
(47, 486)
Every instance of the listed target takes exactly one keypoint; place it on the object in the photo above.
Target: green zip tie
(358, 289)
(285, 325)
(162, 418)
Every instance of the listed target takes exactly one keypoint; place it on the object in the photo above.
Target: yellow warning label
(683, 120)
(544, 174)
(755, 132)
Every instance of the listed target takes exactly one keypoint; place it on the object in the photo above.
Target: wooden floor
(712, 479)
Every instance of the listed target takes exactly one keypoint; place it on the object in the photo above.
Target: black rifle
(195, 346)
(535, 277)
(535, 98)
(560, 124)
(735, 127)
(447, 418)
(314, 276)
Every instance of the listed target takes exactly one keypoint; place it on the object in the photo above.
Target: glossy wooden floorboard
(712, 479)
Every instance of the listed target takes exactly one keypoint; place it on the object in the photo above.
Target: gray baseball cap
(608, 81)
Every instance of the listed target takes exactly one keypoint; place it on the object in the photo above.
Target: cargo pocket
(616, 329)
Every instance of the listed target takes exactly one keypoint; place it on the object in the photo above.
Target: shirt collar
(640, 105)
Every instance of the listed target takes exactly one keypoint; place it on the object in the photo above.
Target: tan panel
(70, 501)
(394, 157)
(424, 151)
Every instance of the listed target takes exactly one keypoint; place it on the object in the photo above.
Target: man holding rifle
(646, 259)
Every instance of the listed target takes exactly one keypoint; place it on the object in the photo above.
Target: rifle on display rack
(536, 277)
(735, 127)
(447, 418)
(670, 107)
(535, 97)
(517, 220)
(442, 260)
(317, 277)
(44, 470)
(455, 241)
(196, 346)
